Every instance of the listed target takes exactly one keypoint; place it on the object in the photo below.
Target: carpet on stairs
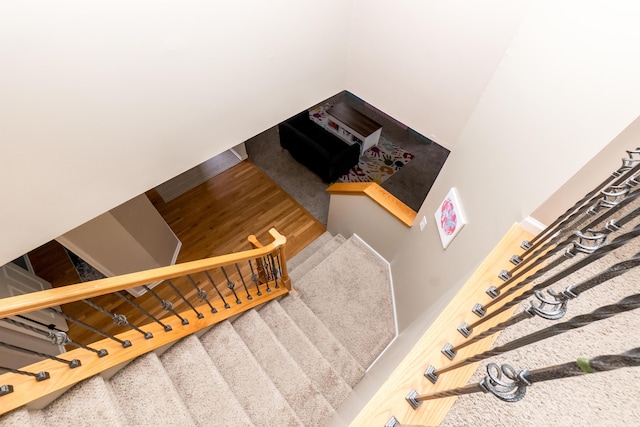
(285, 364)
(253, 388)
(292, 382)
(350, 293)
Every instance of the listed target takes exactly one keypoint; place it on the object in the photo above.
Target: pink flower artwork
(449, 218)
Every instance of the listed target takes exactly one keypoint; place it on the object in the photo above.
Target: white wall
(103, 100)
(427, 62)
(566, 87)
(591, 175)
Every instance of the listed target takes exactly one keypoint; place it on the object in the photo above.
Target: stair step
(326, 379)
(147, 396)
(197, 379)
(309, 250)
(316, 258)
(332, 350)
(350, 293)
(308, 403)
(253, 388)
(88, 403)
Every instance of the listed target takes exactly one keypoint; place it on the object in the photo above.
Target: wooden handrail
(382, 197)
(52, 297)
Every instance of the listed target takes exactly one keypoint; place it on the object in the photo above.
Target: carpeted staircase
(291, 362)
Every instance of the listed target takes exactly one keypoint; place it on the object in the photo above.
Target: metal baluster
(621, 240)
(57, 338)
(249, 297)
(267, 271)
(510, 386)
(40, 376)
(619, 176)
(167, 305)
(202, 294)
(627, 304)
(267, 268)
(50, 326)
(231, 286)
(166, 328)
(255, 278)
(177, 291)
(557, 244)
(71, 363)
(274, 271)
(226, 304)
(118, 319)
(125, 343)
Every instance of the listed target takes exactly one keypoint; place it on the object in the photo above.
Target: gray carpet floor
(410, 185)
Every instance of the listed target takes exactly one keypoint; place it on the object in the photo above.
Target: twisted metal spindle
(71, 363)
(618, 176)
(56, 338)
(256, 278)
(510, 386)
(626, 304)
(40, 376)
(550, 309)
(231, 285)
(166, 305)
(226, 304)
(558, 243)
(166, 328)
(249, 297)
(118, 319)
(274, 271)
(125, 343)
(202, 294)
(177, 291)
(608, 274)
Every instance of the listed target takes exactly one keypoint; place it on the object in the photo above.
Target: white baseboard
(532, 225)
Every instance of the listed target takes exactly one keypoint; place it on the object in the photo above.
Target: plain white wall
(101, 101)
(566, 87)
(427, 62)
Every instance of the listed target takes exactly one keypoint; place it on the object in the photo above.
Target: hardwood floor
(214, 218)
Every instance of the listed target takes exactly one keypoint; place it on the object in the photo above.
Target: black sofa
(322, 152)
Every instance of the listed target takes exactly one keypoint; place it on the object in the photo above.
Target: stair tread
(309, 250)
(196, 377)
(316, 258)
(353, 273)
(145, 379)
(88, 403)
(332, 350)
(292, 382)
(253, 388)
(325, 378)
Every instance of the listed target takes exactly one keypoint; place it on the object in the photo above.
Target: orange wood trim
(382, 197)
(390, 398)
(51, 297)
(27, 389)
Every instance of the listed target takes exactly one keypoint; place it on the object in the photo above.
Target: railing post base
(411, 398)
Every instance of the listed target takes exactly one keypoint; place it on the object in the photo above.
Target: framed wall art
(449, 217)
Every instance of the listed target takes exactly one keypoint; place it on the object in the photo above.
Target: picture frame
(450, 218)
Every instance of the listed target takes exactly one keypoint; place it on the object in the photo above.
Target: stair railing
(605, 220)
(188, 297)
